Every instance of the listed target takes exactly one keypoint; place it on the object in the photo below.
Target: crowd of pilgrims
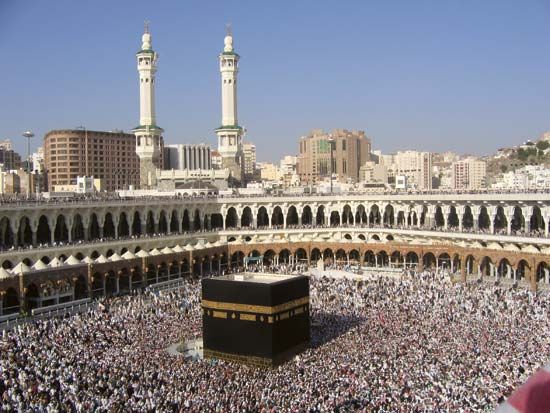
(406, 344)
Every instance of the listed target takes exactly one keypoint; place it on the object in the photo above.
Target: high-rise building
(187, 156)
(147, 134)
(230, 145)
(10, 159)
(249, 155)
(350, 150)
(110, 156)
(469, 173)
(416, 166)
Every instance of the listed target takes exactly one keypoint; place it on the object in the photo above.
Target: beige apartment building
(110, 156)
(469, 173)
(416, 166)
(350, 150)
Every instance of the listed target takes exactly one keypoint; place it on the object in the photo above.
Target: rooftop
(261, 278)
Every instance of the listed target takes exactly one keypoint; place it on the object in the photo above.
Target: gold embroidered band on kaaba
(257, 309)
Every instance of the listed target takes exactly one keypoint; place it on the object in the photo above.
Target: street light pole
(29, 135)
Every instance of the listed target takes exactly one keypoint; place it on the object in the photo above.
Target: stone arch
(7, 265)
(412, 219)
(292, 216)
(500, 223)
(277, 218)
(150, 223)
(94, 226)
(389, 237)
(123, 226)
(262, 217)
(197, 225)
(6, 234)
(424, 215)
(452, 219)
(347, 215)
(174, 222)
(470, 265)
(522, 270)
(341, 257)
(361, 215)
(543, 273)
(396, 258)
(93, 255)
(284, 256)
(237, 259)
(43, 232)
(504, 268)
(374, 215)
(61, 232)
(383, 258)
(25, 232)
(389, 215)
(315, 255)
(163, 223)
(186, 221)
(375, 237)
(354, 257)
(439, 219)
(411, 259)
(467, 217)
(444, 261)
(401, 218)
(517, 222)
(231, 218)
(486, 266)
(109, 226)
(301, 254)
(370, 258)
(328, 256)
(320, 216)
(216, 221)
(307, 216)
(246, 217)
(269, 256)
(334, 218)
(428, 260)
(483, 219)
(536, 221)
(136, 224)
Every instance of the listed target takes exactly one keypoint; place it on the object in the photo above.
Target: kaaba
(256, 319)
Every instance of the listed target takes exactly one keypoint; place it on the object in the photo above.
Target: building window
(343, 144)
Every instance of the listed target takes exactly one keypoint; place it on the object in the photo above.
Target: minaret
(148, 134)
(230, 133)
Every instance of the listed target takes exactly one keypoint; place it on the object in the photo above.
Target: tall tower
(148, 134)
(230, 133)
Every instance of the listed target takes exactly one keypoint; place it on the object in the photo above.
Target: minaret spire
(230, 133)
(148, 134)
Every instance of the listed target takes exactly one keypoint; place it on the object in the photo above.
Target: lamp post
(28, 135)
(331, 142)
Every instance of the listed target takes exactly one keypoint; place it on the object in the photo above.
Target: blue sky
(468, 76)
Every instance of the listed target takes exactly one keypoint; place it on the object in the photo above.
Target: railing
(72, 307)
(166, 285)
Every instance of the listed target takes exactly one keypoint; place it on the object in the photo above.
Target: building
(469, 173)
(8, 157)
(148, 135)
(249, 155)
(416, 166)
(269, 171)
(371, 172)
(110, 156)
(350, 150)
(230, 145)
(187, 156)
(217, 160)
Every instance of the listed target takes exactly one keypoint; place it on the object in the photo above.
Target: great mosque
(59, 252)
